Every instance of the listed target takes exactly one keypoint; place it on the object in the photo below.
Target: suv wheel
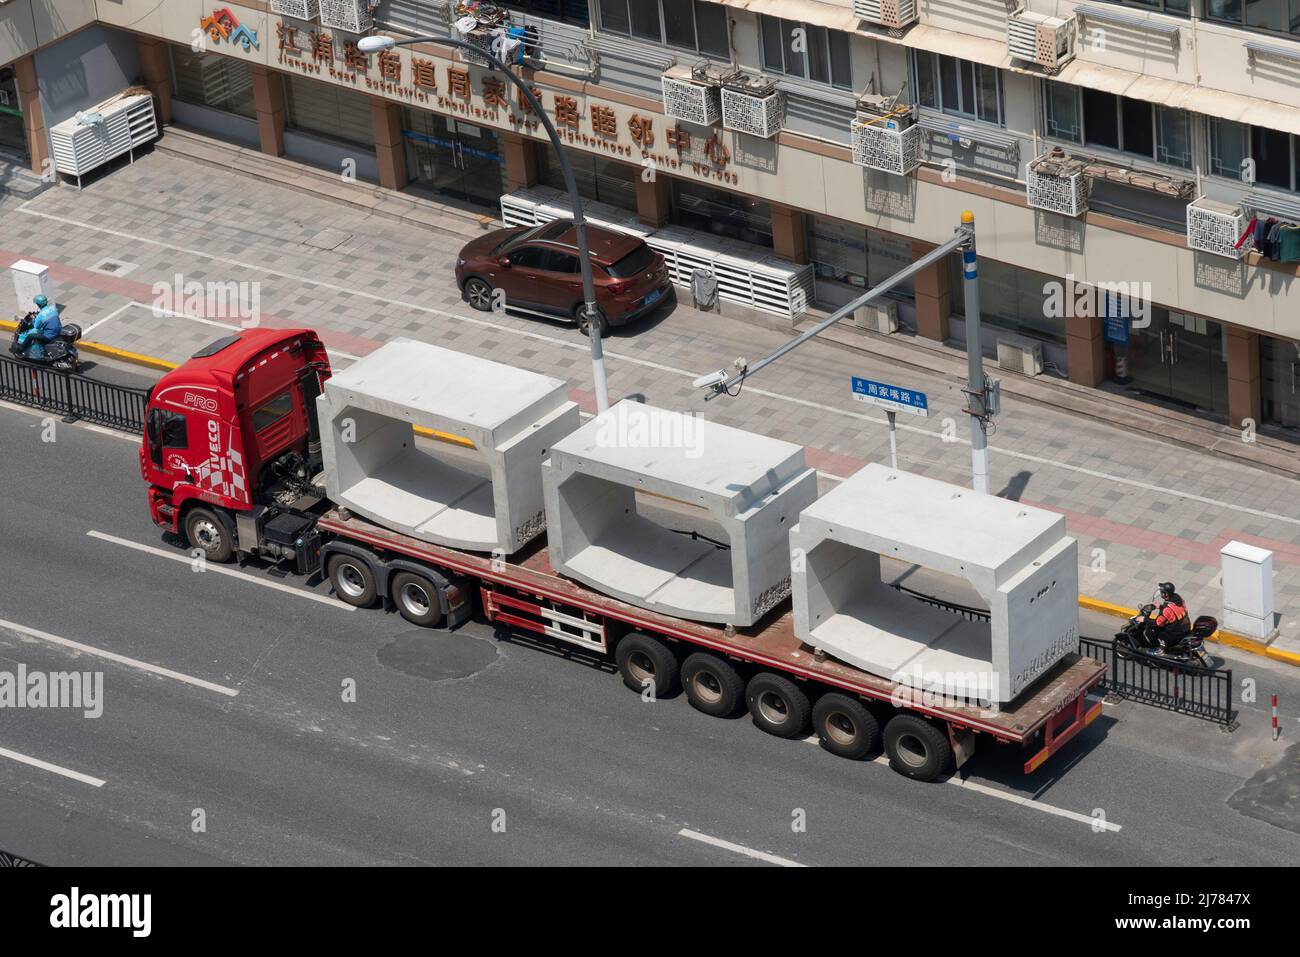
(584, 322)
(478, 294)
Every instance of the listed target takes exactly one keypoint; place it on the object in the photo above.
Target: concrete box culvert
(374, 465)
(1016, 558)
(743, 490)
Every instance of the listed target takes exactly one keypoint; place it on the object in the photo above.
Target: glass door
(1180, 357)
(455, 158)
(13, 136)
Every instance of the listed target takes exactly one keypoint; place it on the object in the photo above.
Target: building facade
(1114, 152)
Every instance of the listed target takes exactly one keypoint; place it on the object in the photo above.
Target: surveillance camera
(711, 380)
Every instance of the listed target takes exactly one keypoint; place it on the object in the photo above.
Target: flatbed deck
(771, 642)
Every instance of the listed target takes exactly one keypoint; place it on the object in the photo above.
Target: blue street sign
(1114, 322)
(891, 397)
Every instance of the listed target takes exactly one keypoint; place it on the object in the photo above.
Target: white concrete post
(1247, 590)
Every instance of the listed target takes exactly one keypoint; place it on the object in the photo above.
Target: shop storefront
(599, 180)
(453, 158)
(214, 94)
(847, 259)
(13, 135)
(711, 210)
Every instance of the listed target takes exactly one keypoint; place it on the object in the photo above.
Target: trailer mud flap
(963, 744)
(1062, 727)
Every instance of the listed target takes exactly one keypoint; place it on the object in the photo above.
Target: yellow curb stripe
(1221, 637)
(122, 355)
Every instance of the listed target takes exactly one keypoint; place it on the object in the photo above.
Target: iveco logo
(203, 402)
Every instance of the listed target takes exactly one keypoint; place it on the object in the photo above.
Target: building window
(1274, 16)
(1271, 154)
(598, 179)
(809, 52)
(1179, 8)
(858, 256)
(329, 111)
(710, 210)
(1093, 118)
(686, 24)
(211, 80)
(1011, 298)
(566, 11)
(959, 87)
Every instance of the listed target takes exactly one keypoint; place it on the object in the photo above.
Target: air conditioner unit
(1047, 41)
(350, 16)
(752, 104)
(1057, 183)
(886, 138)
(894, 14)
(1215, 228)
(877, 317)
(1026, 359)
(298, 9)
(692, 94)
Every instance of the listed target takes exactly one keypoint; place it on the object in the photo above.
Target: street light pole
(591, 311)
(976, 384)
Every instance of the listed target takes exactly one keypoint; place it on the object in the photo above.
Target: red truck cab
(231, 437)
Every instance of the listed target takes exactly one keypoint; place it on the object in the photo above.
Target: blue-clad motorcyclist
(45, 327)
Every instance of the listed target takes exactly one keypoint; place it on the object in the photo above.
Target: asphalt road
(469, 749)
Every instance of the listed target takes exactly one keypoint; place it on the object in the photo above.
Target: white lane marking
(210, 567)
(528, 334)
(738, 848)
(52, 768)
(119, 659)
(112, 315)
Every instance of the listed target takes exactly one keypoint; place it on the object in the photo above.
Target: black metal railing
(966, 611)
(73, 396)
(1186, 689)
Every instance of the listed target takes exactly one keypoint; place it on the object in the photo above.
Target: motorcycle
(60, 353)
(1138, 638)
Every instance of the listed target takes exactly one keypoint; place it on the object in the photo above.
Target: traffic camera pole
(976, 382)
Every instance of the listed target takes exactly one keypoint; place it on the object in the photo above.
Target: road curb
(1240, 642)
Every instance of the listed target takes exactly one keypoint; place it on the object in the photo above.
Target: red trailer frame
(525, 592)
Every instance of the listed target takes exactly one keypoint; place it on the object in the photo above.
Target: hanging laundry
(1289, 244)
(1248, 234)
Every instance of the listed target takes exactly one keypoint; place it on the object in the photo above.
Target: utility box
(484, 496)
(1247, 590)
(30, 280)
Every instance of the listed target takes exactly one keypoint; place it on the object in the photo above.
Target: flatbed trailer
(524, 592)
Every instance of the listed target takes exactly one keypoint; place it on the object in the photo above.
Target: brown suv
(536, 271)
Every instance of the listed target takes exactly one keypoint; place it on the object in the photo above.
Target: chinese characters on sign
(890, 397)
(476, 94)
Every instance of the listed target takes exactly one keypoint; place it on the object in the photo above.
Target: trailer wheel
(712, 685)
(845, 726)
(417, 600)
(916, 748)
(777, 705)
(644, 661)
(353, 580)
(206, 532)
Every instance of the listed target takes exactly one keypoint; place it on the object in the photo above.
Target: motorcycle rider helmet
(41, 301)
(1167, 589)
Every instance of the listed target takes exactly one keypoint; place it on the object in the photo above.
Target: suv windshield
(634, 263)
(551, 230)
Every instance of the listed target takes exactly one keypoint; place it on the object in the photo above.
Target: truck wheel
(205, 531)
(845, 726)
(777, 705)
(643, 661)
(417, 600)
(916, 748)
(712, 685)
(353, 580)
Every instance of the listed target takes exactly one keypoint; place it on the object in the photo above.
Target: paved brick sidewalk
(1143, 510)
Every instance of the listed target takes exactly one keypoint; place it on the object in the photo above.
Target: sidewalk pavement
(1143, 509)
